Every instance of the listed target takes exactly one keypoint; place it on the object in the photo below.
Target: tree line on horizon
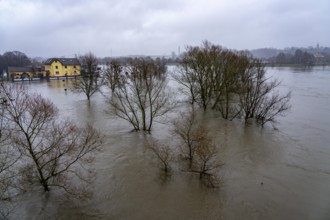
(304, 56)
(307, 56)
(20, 59)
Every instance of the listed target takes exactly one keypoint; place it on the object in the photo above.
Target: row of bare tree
(40, 149)
(232, 83)
(138, 89)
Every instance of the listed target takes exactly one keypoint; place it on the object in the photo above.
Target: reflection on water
(268, 174)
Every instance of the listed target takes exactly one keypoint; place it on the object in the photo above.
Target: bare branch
(88, 82)
(141, 96)
(162, 152)
(52, 149)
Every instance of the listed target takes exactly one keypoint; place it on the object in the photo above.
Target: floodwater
(270, 173)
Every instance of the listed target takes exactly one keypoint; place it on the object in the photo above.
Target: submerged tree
(162, 152)
(197, 146)
(209, 74)
(112, 74)
(8, 159)
(257, 96)
(53, 151)
(230, 82)
(199, 67)
(188, 80)
(188, 129)
(88, 80)
(206, 157)
(142, 96)
(271, 107)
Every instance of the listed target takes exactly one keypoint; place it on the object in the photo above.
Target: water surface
(281, 173)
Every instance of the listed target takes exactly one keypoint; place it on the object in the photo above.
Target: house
(59, 67)
(26, 72)
(319, 59)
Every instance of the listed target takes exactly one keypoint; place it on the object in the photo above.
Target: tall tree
(196, 144)
(8, 162)
(142, 96)
(53, 151)
(16, 58)
(226, 83)
(13, 58)
(189, 130)
(257, 97)
(88, 82)
(112, 74)
(201, 65)
(208, 74)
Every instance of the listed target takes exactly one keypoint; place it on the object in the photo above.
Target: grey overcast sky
(50, 28)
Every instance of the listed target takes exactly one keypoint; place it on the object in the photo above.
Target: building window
(57, 72)
(56, 67)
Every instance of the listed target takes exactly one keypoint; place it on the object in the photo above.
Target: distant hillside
(294, 55)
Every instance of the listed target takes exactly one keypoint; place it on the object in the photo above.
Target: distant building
(58, 67)
(25, 72)
(319, 59)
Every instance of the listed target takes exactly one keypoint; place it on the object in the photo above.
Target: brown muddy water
(281, 173)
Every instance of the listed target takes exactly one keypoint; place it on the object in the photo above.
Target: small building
(319, 59)
(59, 67)
(26, 72)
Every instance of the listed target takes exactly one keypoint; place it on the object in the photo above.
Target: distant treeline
(297, 56)
(124, 60)
(13, 58)
(17, 59)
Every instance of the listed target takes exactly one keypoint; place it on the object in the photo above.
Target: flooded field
(281, 173)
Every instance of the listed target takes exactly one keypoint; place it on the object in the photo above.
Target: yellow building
(58, 67)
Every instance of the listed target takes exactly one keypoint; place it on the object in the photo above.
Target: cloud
(64, 28)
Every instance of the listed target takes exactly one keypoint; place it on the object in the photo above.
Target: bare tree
(142, 96)
(188, 128)
(8, 160)
(88, 80)
(208, 75)
(7, 173)
(271, 107)
(162, 152)
(206, 160)
(226, 84)
(257, 97)
(112, 74)
(199, 67)
(198, 147)
(185, 77)
(53, 152)
(230, 82)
